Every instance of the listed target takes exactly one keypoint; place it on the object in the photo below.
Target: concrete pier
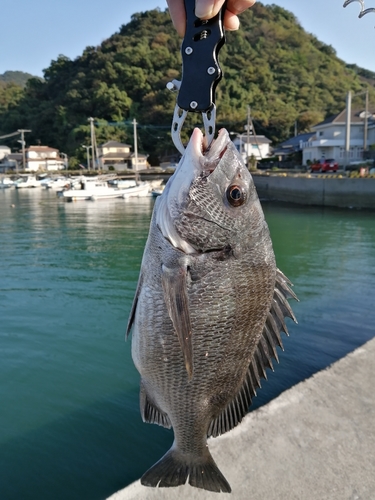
(322, 190)
(316, 441)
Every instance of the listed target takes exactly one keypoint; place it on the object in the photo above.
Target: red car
(325, 165)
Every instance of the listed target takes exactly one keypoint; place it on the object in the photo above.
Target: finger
(231, 21)
(205, 9)
(177, 13)
(239, 6)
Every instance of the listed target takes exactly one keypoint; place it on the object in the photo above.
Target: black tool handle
(200, 68)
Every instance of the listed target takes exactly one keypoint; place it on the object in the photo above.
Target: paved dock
(316, 441)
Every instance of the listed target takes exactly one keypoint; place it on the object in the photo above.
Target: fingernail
(203, 8)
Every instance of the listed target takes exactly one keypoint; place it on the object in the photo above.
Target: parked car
(325, 165)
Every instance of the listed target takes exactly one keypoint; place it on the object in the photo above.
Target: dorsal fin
(262, 358)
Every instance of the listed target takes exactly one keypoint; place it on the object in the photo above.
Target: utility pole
(91, 120)
(87, 155)
(248, 136)
(135, 147)
(366, 124)
(348, 124)
(22, 132)
(255, 137)
(65, 160)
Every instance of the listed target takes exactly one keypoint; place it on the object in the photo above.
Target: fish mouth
(208, 157)
(197, 161)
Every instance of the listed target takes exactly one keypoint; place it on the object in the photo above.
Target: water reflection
(70, 423)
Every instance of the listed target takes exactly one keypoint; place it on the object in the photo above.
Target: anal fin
(150, 412)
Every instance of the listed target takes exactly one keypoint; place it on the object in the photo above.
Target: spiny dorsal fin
(262, 358)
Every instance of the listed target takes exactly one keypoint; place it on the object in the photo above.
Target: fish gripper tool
(363, 10)
(200, 72)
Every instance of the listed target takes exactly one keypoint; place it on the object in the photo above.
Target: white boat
(155, 192)
(88, 188)
(6, 182)
(94, 189)
(140, 190)
(122, 183)
(57, 184)
(28, 181)
(126, 189)
(156, 183)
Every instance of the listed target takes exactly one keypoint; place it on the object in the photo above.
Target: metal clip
(200, 73)
(363, 11)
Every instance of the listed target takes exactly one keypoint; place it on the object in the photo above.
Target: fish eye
(235, 196)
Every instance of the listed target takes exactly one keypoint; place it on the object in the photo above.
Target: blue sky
(33, 32)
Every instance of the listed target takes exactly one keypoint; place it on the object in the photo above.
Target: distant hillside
(365, 74)
(18, 77)
(284, 73)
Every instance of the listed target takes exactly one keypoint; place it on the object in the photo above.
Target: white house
(329, 138)
(118, 155)
(43, 158)
(252, 145)
(4, 151)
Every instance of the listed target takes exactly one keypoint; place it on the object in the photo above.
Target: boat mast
(135, 149)
(91, 120)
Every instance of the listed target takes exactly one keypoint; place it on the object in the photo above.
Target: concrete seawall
(328, 190)
(316, 441)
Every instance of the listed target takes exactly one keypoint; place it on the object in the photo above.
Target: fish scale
(208, 311)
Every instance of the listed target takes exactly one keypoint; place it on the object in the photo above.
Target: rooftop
(41, 149)
(292, 144)
(253, 139)
(357, 116)
(114, 144)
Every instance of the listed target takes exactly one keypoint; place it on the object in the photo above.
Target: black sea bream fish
(208, 310)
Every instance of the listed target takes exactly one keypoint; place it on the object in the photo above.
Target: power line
(130, 123)
(9, 135)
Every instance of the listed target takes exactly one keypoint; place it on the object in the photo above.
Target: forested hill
(18, 77)
(271, 64)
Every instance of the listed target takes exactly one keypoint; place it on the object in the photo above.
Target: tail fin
(175, 468)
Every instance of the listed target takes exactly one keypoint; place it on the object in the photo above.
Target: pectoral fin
(174, 283)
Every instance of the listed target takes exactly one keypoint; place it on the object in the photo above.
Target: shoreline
(315, 441)
(321, 190)
(328, 190)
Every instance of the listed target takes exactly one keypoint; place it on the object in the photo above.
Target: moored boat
(27, 181)
(6, 182)
(90, 188)
(155, 192)
(126, 189)
(58, 183)
(94, 189)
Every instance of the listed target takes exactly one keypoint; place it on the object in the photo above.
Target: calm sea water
(70, 426)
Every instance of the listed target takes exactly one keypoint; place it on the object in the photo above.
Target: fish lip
(218, 146)
(196, 162)
(209, 157)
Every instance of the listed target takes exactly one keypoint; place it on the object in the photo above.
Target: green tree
(271, 63)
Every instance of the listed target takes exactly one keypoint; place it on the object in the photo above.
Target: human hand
(206, 9)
